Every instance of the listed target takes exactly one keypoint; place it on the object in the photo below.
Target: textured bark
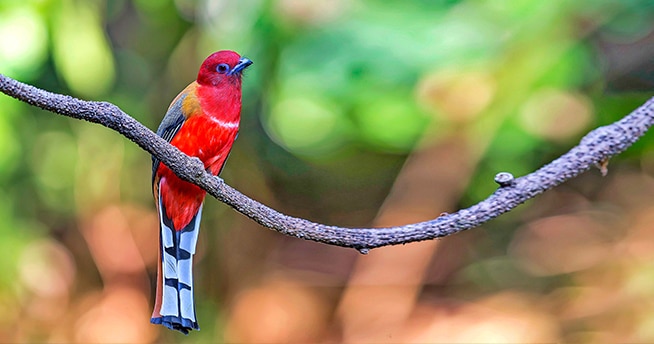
(594, 149)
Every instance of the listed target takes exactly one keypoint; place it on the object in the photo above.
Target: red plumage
(202, 121)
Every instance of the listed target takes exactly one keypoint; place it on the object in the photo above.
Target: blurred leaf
(81, 51)
(10, 148)
(23, 41)
(54, 166)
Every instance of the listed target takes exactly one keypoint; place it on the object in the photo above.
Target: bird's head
(222, 68)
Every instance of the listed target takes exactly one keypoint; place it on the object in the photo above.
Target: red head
(222, 67)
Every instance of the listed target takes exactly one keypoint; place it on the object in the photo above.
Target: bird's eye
(222, 68)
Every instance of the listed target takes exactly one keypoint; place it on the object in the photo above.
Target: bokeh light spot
(305, 125)
(392, 124)
(23, 41)
(81, 52)
(116, 318)
(456, 96)
(556, 114)
(560, 244)
(47, 268)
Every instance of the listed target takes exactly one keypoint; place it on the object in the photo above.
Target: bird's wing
(172, 122)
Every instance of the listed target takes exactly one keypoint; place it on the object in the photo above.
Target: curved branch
(595, 148)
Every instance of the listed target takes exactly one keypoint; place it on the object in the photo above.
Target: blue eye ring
(222, 68)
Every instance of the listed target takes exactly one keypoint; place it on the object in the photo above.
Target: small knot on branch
(504, 179)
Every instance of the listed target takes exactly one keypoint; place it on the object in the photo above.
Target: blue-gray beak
(243, 63)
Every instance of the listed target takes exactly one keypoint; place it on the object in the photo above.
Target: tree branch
(594, 149)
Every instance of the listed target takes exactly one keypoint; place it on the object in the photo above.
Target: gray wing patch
(170, 125)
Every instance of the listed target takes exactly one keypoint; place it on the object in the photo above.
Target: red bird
(202, 121)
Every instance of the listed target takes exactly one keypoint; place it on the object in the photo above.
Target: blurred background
(356, 113)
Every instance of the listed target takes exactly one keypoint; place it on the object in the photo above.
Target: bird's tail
(174, 306)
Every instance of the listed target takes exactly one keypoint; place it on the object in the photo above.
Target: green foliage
(341, 93)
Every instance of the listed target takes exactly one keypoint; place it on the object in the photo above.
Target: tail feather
(174, 306)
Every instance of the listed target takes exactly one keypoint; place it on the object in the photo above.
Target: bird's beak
(243, 63)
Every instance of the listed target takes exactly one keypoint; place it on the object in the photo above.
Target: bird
(203, 122)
